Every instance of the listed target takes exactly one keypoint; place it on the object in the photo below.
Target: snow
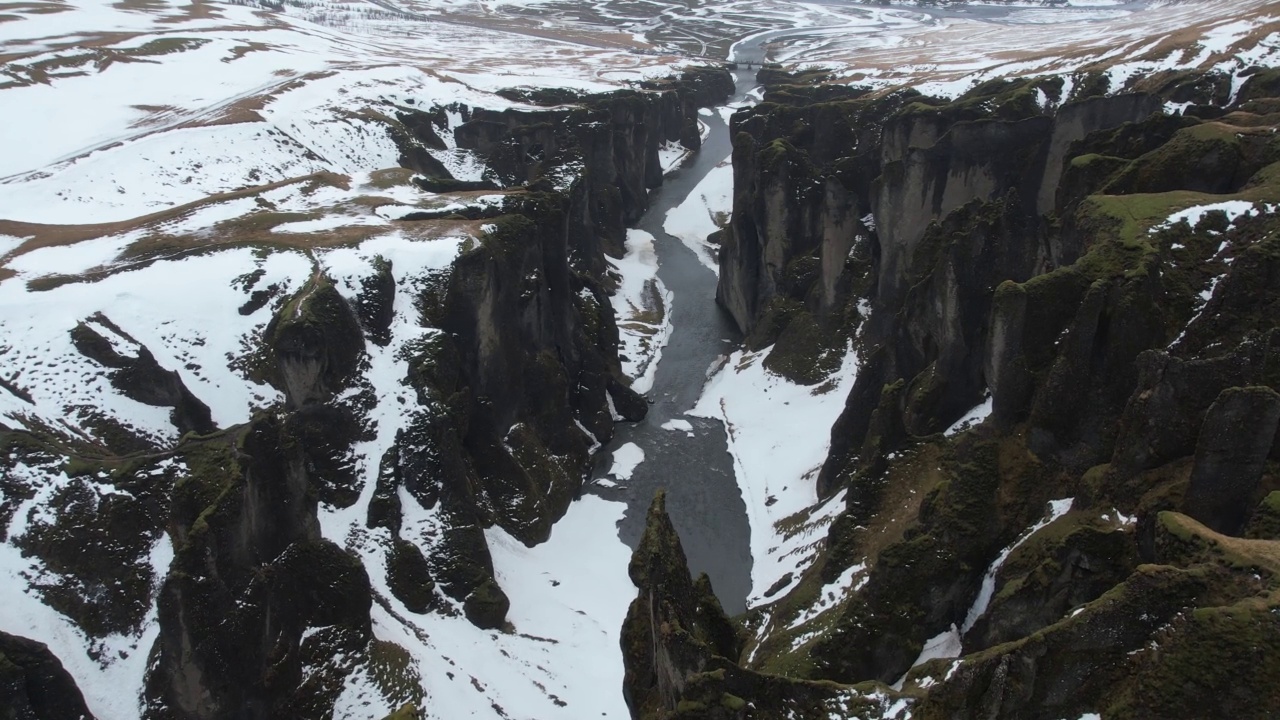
(945, 645)
(778, 434)
(1120, 518)
(671, 155)
(947, 54)
(695, 218)
(578, 598)
(972, 418)
(567, 608)
(9, 243)
(678, 425)
(185, 311)
(328, 222)
(834, 593)
(1234, 209)
(625, 461)
(111, 676)
(71, 259)
(279, 97)
(642, 305)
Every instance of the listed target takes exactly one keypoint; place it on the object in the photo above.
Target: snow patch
(702, 212)
(625, 461)
(778, 434)
(642, 305)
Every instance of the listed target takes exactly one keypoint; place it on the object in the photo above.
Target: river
(696, 469)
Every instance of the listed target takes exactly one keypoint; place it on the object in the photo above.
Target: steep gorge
(1017, 249)
(512, 356)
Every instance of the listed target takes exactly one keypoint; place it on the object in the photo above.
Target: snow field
(778, 434)
(185, 311)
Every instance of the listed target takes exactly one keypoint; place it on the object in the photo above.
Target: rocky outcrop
(316, 343)
(938, 310)
(675, 625)
(140, 377)
(1068, 564)
(1164, 416)
(34, 685)
(1020, 247)
(680, 651)
(802, 176)
(1231, 455)
(250, 574)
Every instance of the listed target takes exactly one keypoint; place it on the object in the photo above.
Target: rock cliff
(506, 380)
(1068, 267)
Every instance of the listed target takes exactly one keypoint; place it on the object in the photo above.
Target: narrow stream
(696, 469)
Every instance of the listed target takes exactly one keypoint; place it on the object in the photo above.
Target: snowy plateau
(570, 359)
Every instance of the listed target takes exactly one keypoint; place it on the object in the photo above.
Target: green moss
(1225, 658)
(212, 472)
(408, 711)
(804, 353)
(1087, 85)
(1183, 541)
(1265, 523)
(1001, 98)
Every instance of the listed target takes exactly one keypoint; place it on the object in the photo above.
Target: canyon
(558, 360)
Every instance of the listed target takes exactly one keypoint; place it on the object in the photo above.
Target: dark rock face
(937, 297)
(1077, 560)
(925, 583)
(1064, 671)
(409, 576)
(1019, 246)
(802, 177)
(486, 606)
(1265, 523)
(375, 305)
(1163, 417)
(681, 652)
(316, 342)
(249, 575)
(34, 685)
(674, 626)
(96, 548)
(1231, 454)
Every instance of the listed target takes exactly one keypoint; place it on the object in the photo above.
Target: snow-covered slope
(172, 178)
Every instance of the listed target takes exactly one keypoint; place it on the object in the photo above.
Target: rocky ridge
(1082, 273)
(509, 353)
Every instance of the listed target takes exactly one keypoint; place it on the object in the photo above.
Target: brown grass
(909, 481)
(40, 235)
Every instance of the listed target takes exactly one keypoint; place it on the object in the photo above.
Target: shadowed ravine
(697, 472)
